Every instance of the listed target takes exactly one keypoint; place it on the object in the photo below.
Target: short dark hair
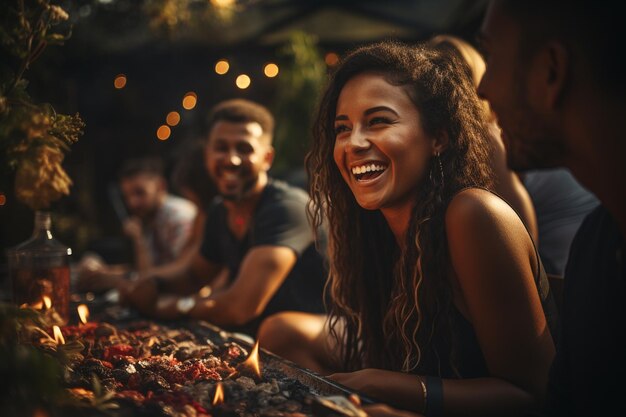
(596, 31)
(242, 111)
(145, 165)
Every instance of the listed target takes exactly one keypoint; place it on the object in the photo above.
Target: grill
(164, 373)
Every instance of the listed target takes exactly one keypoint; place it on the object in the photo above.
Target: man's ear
(440, 142)
(553, 71)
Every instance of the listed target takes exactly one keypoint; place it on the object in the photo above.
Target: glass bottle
(39, 268)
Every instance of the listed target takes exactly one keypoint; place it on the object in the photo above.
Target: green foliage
(302, 75)
(32, 377)
(33, 137)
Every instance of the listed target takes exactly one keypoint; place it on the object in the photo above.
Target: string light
(172, 118)
(271, 70)
(331, 59)
(222, 67)
(189, 100)
(243, 81)
(163, 132)
(120, 81)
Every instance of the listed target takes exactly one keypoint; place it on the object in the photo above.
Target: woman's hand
(396, 388)
(366, 381)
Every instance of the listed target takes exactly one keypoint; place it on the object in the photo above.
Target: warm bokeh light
(222, 67)
(120, 81)
(271, 70)
(83, 313)
(331, 59)
(47, 302)
(58, 336)
(218, 397)
(205, 291)
(3, 199)
(222, 3)
(253, 360)
(190, 100)
(164, 132)
(173, 118)
(243, 81)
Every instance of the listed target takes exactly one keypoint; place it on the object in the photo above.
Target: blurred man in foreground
(555, 80)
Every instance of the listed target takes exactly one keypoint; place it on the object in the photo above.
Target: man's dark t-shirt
(279, 220)
(588, 374)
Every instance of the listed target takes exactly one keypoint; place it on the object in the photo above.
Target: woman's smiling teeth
(361, 171)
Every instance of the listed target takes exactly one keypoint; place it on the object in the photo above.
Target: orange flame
(253, 360)
(83, 313)
(58, 336)
(35, 306)
(47, 301)
(218, 398)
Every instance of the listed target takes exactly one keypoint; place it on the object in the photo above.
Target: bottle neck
(42, 228)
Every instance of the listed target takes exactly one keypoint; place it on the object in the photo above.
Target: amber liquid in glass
(31, 285)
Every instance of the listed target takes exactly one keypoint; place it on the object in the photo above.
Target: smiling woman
(437, 291)
(381, 149)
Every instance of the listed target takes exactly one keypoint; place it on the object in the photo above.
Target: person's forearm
(223, 309)
(142, 256)
(486, 396)
(477, 396)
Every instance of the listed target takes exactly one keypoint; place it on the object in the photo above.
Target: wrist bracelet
(424, 395)
(434, 388)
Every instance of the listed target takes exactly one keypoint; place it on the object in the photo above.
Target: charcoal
(159, 371)
(268, 387)
(78, 379)
(233, 353)
(153, 382)
(164, 347)
(123, 373)
(246, 383)
(109, 384)
(93, 366)
(277, 399)
(104, 330)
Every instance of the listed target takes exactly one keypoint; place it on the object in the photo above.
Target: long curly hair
(395, 304)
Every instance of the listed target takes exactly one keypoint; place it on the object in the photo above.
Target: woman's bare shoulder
(477, 216)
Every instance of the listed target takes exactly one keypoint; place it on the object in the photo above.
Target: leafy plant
(34, 378)
(33, 137)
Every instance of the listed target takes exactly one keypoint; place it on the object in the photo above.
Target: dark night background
(169, 47)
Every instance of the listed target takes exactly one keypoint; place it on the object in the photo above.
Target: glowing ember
(47, 301)
(83, 313)
(58, 336)
(253, 360)
(218, 397)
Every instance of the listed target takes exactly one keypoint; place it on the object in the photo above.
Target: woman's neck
(398, 220)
